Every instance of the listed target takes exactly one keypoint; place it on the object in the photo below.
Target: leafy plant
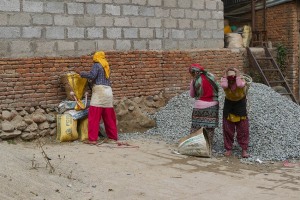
(281, 56)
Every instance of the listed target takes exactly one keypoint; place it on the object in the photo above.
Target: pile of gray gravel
(274, 124)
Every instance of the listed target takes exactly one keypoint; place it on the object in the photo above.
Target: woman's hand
(237, 72)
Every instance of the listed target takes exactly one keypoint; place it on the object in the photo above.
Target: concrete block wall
(31, 28)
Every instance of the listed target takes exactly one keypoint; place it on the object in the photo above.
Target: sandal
(90, 142)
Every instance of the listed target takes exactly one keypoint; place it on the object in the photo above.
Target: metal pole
(253, 15)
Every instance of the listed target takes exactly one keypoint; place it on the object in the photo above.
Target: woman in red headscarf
(204, 89)
(235, 111)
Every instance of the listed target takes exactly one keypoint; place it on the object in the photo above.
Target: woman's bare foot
(227, 153)
(245, 154)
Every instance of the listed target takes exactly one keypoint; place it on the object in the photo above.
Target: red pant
(242, 133)
(110, 122)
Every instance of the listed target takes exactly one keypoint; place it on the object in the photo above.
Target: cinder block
(113, 33)
(184, 3)
(206, 34)
(147, 11)
(186, 44)
(130, 10)
(211, 24)
(178, 34)
(4, 45)
(65, 46)
(146, 33)
(94, 9)
(122, 1)
(86, 45)
(139, 2)
(162, 12)
(140, 45)
(104, 21)
(20, 46)
(170, 3)
(155, 44)
(75, 8)
(191, 14)
(200, 44)
(84, 21)
(205, 14)
(159, 33)
(19, 19)
(64, 20)
(104, 1)
(105, 45)
(32, 32)
(94, 33)
(184, 23)
(124, 21)
(54, 7)
(55, 32)
(218, 34)
(75, 32)
(191, 34)
(138, 22)
(154, 23)
(130, 33)
(177, 13)
(198, 4)
(33, 6)
(170, 44)
(112, 10)
(218, 15)
(3, 19)
(211, 5)
(170, 23)
(198, 24)
(42, 19)
(10, 32)
(123, 45)
(154, 2)
(45, 47)
(10, 5)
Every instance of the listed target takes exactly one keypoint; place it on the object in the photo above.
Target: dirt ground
(148, 169)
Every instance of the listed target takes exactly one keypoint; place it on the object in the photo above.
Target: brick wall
(282, 28)
(27, 82)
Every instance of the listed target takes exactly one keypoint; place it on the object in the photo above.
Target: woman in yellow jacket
(235, 112)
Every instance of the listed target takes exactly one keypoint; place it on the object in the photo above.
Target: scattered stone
(7, 126)
(10, 135)
(29, 135)
(6, 115)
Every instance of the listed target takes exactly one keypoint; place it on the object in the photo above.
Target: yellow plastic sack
(66, 128)
(74, 83)
(83, 129)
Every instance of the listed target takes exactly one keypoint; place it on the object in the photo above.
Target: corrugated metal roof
(237, 7)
